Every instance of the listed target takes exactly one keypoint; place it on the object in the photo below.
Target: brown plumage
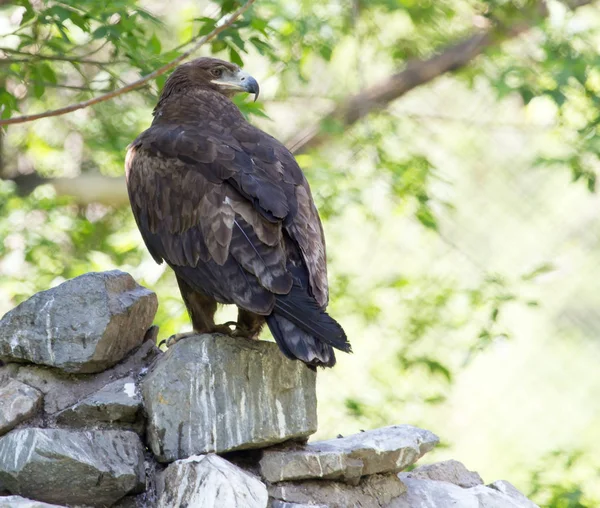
(229, 209)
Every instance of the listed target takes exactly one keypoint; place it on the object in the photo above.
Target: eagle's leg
(248, 324)
(201, 309)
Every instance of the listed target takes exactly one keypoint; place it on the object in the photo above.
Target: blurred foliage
(309, 55)
(564, 492)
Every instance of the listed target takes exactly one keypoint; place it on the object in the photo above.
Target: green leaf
(218, 46)
(47, 73)
(38, 89)
(234, 56)
(100, 32)
(435, 367)
(207, 26)
(62, 31)
(29, 13)
(326, 51)
(425, 216)
(261, 46)
(539, 270)
(154, 44)
(494, 314)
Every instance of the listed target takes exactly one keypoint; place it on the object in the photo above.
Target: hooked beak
(240, 81)
(252, 86)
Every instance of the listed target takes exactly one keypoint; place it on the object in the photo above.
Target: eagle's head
(224, 77)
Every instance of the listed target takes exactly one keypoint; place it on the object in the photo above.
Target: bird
(229, 209)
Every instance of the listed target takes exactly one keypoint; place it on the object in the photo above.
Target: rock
(389, 449)
(373, 491)
(427, 493)
(448, 471)
(21, 502)
(129, 502)
(86, 324)
(72, 467)
(283, 504)
(210, 481)
(510, 490)
(63, 390)
(212, 393)
(118, 401)
(18, 402)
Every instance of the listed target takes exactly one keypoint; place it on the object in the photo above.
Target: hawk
(227, 207)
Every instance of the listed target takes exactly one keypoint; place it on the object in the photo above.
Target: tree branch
(38, 56)
(136, 84)
(85, 189)
(112, 191)
(416, 73)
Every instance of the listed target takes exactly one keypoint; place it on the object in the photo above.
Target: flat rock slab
(18, 402)
(373, 491)
(212, 393)
(119, 401)
(62, 390)
(450, 471)
(94, 468)
(21, 502)
(389, 449)
(427, 493)
(209, 481)
(84, 325)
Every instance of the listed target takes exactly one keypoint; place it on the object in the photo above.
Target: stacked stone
(93, 414)
(70, 411)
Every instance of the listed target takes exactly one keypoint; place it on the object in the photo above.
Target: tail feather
(305, 331)
(302, 309)
(297, 344)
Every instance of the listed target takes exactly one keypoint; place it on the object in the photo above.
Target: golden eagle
(229, 209)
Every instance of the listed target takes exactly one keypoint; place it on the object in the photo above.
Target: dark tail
(304, 331)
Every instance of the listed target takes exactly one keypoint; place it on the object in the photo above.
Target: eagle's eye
(217, 73)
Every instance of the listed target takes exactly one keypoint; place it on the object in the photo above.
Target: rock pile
(93, 414)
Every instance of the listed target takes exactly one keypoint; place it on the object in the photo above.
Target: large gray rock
(93, 468)
(374, 491)
(389, 449)
(21, 502)
(87, 324)
(18, 402)
(213, 393)
(209, 481)
(429, 493)
(448, 471)
(62, 390)
(119, 401)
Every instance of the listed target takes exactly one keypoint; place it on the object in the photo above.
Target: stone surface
(72, 467)
(510, 490)
(119, 401)
(213, 393)
(283, 504)
(62, 390)
(21, 502)
(18, 402)
(448, 471)
(429, 493)
(389, 449)
(87, 324)
(209, 481)
(373, 491)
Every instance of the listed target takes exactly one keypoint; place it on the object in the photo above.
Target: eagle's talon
(224, 329)
(246, 333)
(176, 337)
